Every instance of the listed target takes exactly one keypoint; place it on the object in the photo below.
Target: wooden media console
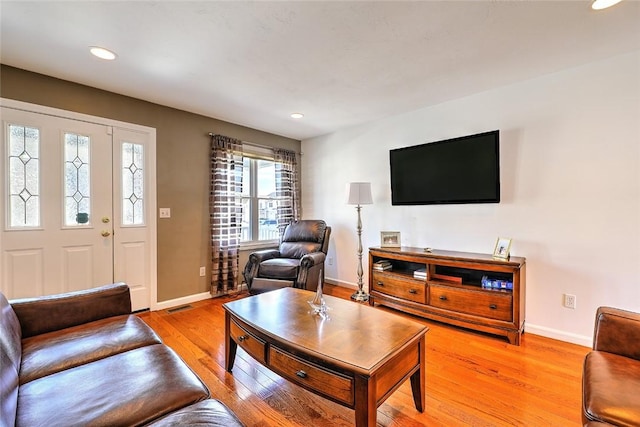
(471, 290)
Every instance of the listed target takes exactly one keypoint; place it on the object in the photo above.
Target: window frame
(254, 214)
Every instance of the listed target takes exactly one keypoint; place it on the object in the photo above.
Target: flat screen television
(458, 170)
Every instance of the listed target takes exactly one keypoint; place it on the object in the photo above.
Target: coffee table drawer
(249, 343)
(321, 380)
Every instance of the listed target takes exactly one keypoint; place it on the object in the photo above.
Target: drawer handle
(443, 298)
(413, 291)
(380, 284)
(301, 374)
(493, 306)
(243, 337)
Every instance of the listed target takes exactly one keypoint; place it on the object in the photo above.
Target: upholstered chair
(611, 371)
(297, 262)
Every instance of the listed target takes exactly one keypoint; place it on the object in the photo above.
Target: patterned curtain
(225, 212)
(286, 187)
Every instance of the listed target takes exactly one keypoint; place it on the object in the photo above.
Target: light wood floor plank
(473, 379)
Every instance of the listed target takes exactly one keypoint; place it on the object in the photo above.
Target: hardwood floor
(472, 379)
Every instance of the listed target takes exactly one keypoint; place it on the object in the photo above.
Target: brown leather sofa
(298, 261)
(82, 358)
(611, 373)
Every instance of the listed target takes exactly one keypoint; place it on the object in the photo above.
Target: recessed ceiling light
(603, 4)
(102, 53)
(297, 115)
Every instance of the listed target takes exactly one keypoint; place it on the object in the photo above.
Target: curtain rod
(256, 145)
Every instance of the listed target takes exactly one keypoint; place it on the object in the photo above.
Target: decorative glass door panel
(77, 179)
(132, 184)
(23, 147)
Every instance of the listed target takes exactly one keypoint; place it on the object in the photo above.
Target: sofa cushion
(209, 412)
(10, 358)
(611, 386)
(130, 388)
(279, 268)
(302, 237)
(52, 352)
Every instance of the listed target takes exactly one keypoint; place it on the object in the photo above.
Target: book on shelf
(420, 273)
(382, 265)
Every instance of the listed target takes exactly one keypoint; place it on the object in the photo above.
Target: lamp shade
(360, 193)
(603, 4)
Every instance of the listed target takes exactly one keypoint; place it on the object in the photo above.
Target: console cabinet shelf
(464, 289)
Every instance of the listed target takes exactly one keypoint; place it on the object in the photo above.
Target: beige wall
(182, 166)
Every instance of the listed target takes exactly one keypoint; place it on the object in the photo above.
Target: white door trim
(151, 159)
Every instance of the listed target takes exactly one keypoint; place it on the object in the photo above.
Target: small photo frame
(390, 239)
(502, 249)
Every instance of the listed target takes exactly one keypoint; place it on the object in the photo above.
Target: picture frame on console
(390, 239)
(503, 248)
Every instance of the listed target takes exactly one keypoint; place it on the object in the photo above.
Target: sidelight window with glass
(23, 176)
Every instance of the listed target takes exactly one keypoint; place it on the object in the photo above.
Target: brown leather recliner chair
(611, 373)
(298, 262)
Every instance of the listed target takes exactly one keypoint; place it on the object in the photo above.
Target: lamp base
(360, 295)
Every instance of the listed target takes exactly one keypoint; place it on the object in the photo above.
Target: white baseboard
(163, 305)
(340, 283)
(558, 335)
(190, 298)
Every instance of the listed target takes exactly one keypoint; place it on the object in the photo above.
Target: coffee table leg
(418, 382)
(365, 405)
(230, 345)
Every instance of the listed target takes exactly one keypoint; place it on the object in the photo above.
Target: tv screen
(458, 170)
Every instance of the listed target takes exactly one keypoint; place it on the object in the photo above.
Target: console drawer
(412, 290)
(490, 304)
(303, 373)
(249, 343)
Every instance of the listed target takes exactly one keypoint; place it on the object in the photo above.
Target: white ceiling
(339, 63)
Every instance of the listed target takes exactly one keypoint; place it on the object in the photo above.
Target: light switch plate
(165, 212)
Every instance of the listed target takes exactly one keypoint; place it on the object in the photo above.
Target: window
(132, 184)
(24, 176)
(77, 193)
(259, 202)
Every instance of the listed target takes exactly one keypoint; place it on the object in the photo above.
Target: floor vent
(180, 308)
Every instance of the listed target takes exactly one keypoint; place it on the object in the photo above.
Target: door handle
(105, 233)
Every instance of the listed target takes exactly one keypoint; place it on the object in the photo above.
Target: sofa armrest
(258, 256)
(255, 258)
(310, 272)
(314, 258)
(53, 312)
(617, 331)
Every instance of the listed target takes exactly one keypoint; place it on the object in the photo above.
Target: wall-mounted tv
(458, 170)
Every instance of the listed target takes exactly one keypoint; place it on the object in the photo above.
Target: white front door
(77, 206)
(132, 237)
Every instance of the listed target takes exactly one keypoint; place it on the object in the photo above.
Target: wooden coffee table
(356, 357)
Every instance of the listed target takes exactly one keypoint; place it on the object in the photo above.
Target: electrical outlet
(330, 261)
(570, 301)
(203, 271)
